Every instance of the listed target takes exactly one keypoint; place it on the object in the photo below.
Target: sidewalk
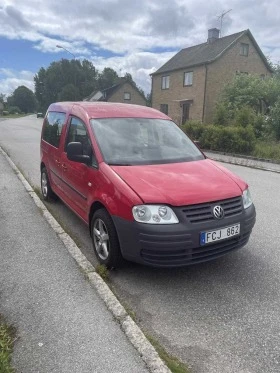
(244, 161)
(62, 323)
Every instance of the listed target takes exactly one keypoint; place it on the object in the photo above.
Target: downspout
(204, 96)
(152, 90)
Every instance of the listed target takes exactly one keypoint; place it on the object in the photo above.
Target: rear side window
(53, 127)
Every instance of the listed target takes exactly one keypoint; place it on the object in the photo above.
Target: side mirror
(75, 153)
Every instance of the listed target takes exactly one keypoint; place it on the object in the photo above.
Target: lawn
(7, 337)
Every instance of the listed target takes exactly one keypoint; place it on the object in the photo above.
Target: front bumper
(178, 245)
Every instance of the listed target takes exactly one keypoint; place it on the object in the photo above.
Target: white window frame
(165, 82)
(188, 78)
(244, 49)
(127, 96)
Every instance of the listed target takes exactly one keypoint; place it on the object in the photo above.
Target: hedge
(233, 139)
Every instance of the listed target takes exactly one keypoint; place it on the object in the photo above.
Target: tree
(24, 99)
(68, 93)
(107, 78)
(149, 99)
(71, 80)
(2, 98)
(251, 100)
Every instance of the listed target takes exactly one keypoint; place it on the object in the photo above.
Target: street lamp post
(61, 47)
(66, 50)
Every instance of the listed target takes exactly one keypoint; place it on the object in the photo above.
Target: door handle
(57, 162)
(64, 167)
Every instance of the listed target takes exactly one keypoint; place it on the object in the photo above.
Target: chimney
(213, 35)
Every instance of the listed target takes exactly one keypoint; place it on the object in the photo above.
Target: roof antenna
(221, 18)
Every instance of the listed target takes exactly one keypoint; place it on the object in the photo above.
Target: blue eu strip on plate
(202, 238)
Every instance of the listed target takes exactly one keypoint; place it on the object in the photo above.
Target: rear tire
(105, 239)
(46, 189)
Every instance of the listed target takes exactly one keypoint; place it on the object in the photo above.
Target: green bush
(260, 126)
(226, 139)
(274, 119)
(193, 129)
(5, 112)
(244, 116)
(14, 110)
(221, 115)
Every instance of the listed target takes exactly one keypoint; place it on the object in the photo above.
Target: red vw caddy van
(147, 193)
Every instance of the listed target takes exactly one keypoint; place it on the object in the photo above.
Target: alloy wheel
(101, 239)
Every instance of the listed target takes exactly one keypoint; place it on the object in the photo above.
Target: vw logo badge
(218, 212)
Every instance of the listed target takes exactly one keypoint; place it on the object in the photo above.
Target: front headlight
(247, 199)
(154, 214)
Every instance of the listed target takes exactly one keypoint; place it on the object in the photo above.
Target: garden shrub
(14, 110)
(221, 115)
(226, 139)
(193, 129)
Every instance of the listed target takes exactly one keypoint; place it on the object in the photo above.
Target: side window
(53, 127)
(77, 133)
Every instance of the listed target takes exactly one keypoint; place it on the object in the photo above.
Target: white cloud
(10, 80)
(139, 64)
(135, 29)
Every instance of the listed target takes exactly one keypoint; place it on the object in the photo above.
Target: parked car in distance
(40, 115)
(146, 191)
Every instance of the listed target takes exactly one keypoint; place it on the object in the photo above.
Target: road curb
(245, 165)
(245, 162)
(132, 331)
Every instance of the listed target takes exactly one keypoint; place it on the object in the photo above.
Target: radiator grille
(203, 212)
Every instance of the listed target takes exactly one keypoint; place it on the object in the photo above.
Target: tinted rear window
(53, 127)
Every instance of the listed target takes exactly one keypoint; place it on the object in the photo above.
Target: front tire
(105, 239)
(46, 189)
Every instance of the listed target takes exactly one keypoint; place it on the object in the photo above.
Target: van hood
(180, 184)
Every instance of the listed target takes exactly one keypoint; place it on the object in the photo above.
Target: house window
(164, 108)
(165, 82)
(244, 49)
(188, 78)
(126, 96)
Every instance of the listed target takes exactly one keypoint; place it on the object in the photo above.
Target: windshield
(132, 141)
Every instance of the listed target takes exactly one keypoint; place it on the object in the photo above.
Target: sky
(127, 35)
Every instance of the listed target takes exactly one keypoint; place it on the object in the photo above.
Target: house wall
(177, 92)
(135, 97)
(219, 73)
(224, 70)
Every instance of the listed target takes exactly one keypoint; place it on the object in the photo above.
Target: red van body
(146, 191)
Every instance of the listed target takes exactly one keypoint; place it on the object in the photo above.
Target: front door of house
(185, 113)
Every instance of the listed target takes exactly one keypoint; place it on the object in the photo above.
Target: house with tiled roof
(189, 84)
(124, 91)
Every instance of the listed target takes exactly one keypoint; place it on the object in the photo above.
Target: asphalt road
(221, 316)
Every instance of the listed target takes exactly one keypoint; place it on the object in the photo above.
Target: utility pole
(221, 19)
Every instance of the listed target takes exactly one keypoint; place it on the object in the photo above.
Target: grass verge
(174, 364)
(13, 116)
(267, 150)
(7, 338)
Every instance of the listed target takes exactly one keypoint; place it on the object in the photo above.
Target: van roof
(108, 110)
